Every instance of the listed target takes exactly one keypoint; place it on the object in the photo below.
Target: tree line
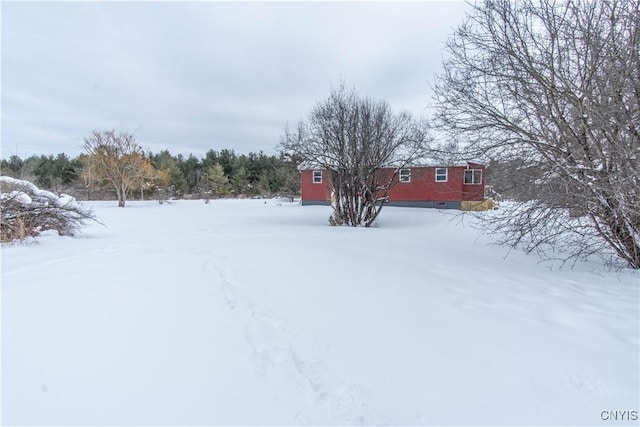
(162, 175)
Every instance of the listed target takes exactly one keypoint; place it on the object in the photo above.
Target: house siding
(423, 186)
(422, 191)
(313, 193)
(425, 204)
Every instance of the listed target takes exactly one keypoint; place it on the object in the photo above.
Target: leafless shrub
(353, 139)
(27, 211)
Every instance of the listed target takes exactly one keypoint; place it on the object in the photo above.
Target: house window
(405, 175)
(441, 174)
(473, 176)
(317, 177)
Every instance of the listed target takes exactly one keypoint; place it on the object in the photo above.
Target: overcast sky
(194, 76)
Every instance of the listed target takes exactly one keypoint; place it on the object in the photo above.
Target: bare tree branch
(118, 160)
(28, 210)
(554, 89)
(354, 138)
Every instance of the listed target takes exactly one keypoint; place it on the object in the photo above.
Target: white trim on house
(439, 175)
(404, 175)
(476, 176)
(317, 177)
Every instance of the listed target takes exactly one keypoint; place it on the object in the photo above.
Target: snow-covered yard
(246, 312)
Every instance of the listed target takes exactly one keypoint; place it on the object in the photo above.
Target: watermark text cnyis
(607, 415)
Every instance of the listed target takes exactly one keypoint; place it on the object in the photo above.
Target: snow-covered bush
(27, 210)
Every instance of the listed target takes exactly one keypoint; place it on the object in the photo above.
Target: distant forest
(218, 174)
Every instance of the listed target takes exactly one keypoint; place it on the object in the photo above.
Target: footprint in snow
(226, 288)
(590, 384)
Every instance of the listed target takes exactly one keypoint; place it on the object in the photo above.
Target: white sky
(194, 76)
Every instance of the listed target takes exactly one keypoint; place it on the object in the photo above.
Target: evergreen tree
(239, 180)
(218, 180)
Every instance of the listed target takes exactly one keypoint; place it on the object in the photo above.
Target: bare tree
(354, 138)
(554, 87)
(117, 159)
(28, 210)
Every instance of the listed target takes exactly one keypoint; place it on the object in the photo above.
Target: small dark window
(441, 204)
(473, 176)
(441, 174)
(405, 175)
(317, 177)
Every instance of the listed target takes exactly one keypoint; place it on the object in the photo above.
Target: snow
(17, 196)
(241, 312)
(43, 197)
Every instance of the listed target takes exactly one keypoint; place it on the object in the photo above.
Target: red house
(443, 187)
